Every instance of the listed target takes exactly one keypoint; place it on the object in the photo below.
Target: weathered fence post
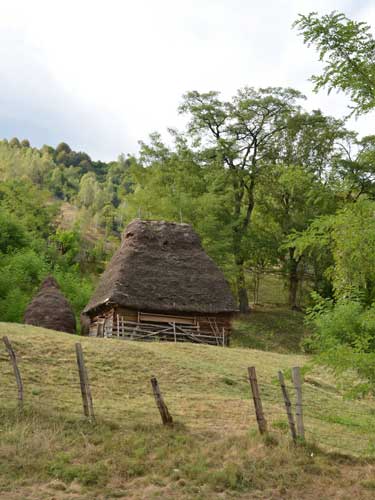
(164, 413)
(297, 381)
(262, 423)
(16, 371)
(88, 407)
(288, 407)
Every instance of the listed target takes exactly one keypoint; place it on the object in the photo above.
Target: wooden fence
(264, 400)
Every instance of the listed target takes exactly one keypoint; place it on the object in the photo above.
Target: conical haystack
(50, 309)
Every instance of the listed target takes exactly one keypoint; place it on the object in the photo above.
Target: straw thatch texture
(50, 309)
(161, 266)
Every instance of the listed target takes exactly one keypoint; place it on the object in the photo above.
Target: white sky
(103, 74)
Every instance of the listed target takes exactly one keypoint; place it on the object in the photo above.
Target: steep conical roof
(50, 309)
(161, 266)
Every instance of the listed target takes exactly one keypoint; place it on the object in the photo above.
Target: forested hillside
(63, 212)
(270, 187)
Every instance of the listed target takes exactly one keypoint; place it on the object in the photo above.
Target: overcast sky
(103, 74)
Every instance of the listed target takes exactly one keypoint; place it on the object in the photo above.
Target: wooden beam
(17, 375)
(88, 407)
(262, 423)
(288, 407)
(297, 381)
(163, 410)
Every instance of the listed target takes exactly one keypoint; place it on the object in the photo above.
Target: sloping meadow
(214, 445)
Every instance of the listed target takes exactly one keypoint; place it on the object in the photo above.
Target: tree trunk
(243, 300)
(256, 286)
(293, 280)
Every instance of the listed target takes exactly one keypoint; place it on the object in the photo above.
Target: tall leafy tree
(239, 134)
(347, 48)
(292, 196)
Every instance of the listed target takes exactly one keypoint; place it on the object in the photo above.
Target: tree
(311, 140)
(349, 235)
(47, 150)
(63, 147)
(292, 196)
(15, 143)
(88, 190)
(12, 233)
(348, 50)
(167, 182)
(238, 135)
(355, 171)
(298, 186)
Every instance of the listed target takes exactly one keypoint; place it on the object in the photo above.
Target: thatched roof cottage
(50, 309)
(161, 284)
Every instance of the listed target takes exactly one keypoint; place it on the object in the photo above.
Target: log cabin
(161, 285)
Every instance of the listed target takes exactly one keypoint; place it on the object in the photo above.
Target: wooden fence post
(262, 423)
(297, 381)
(288, 407)
(164, 413)
(88, 407)
(16, 371)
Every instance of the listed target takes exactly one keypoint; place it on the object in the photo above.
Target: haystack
(50, 309)
(161, 274)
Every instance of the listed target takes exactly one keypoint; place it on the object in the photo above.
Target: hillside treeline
(267, 205)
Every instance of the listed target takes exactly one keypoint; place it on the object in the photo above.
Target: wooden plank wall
(111, 323)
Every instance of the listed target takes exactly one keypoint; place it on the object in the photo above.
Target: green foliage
(12, 233)
(349, 236)
(353, 238)
(68, 244)
(348, 50)
(77, 289)
(268, 186)
(21, 273)
(24, 163)
(239, 137)
(344, 339)
(14, 142)
(31, 248)
(30, 205)
(63, 147)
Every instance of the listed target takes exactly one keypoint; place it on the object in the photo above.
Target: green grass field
(212, 451)
(270, 328)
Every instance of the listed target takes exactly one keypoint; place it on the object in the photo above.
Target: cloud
(34, 105)
(102, 75)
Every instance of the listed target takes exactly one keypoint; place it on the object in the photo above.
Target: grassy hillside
(213, 451)
(270, 328)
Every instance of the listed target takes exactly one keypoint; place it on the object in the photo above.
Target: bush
(76, 288)
(21, 274)
(344, 339)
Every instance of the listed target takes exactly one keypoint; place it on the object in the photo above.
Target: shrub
(344, 339)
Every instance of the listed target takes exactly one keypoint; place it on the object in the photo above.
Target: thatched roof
(162, 267)
(50, 309)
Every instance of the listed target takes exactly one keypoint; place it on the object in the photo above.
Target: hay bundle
(50, 309)
(161, 266)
